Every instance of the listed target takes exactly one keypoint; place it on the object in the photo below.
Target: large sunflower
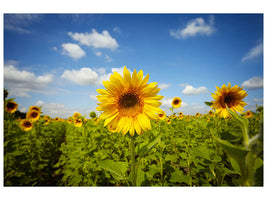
(33, 115)
(129, 102)
(25, 125)
(11, 107)
(230, 96)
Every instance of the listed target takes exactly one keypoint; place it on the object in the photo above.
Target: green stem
(132, 149)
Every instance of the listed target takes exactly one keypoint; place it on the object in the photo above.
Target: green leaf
(145, 149)
(242, 122)
(140, 177)
(208, 103)
(178, 177)
(117, 169)
(237, 153)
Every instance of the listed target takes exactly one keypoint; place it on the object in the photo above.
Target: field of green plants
(196, 150)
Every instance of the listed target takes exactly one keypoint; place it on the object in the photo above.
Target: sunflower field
(134, 143)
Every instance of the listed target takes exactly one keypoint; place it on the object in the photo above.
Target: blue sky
(57, 61)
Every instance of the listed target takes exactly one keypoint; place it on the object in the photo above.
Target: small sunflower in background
(168, 121)
(162, 115)
(230, 96)
(181, 117)
(11, 107)
(56, 119)
(25, 125)
(76, 115)
(33, 115)
(78, 122)
(176, 102)
(211, 113)
(70, 120)
(129, 102)
(36, 108)
(248, 114)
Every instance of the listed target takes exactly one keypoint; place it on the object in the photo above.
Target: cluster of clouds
(94, 40)
(22, 82)
(195, 27)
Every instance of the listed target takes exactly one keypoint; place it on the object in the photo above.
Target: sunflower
(168, 121)
(33, 115)
(129, 102)
(162, 115)
(36, 108)
(76, 115)
(112, 129)
(248, 114)
(25, 125)
(176, 102)
(211, 113)
(70, 120)
(78, 122)
(181, 113)
(56, 119)
(230, 96)
(11, 107)
(46, 119)
(181, 117)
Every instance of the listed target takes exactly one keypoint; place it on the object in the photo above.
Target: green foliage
(92, 114)
(187, 152)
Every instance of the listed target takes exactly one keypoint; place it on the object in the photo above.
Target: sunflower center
(228, 99)
(27, 124)
(34, 114)
(129, 104)
(176, 102)
(161, 115)
(10, 105)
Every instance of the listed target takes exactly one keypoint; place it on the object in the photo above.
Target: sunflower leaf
(243, 123)
(239, 154)
(208, 103)
(145, 149)
(117, 169)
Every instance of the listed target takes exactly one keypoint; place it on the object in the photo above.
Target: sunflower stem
(132, 149)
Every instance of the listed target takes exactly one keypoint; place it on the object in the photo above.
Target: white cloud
(117, 30)
(21, 83)
(253, 83)
(164, 86)
(98, 53)
(72, 50)
(100, 70)
(253, 53)
(194, 27)
(108, 59)
(84, 76)
(88, 76)
(95, 39)
(258, 100)
(190, 90)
